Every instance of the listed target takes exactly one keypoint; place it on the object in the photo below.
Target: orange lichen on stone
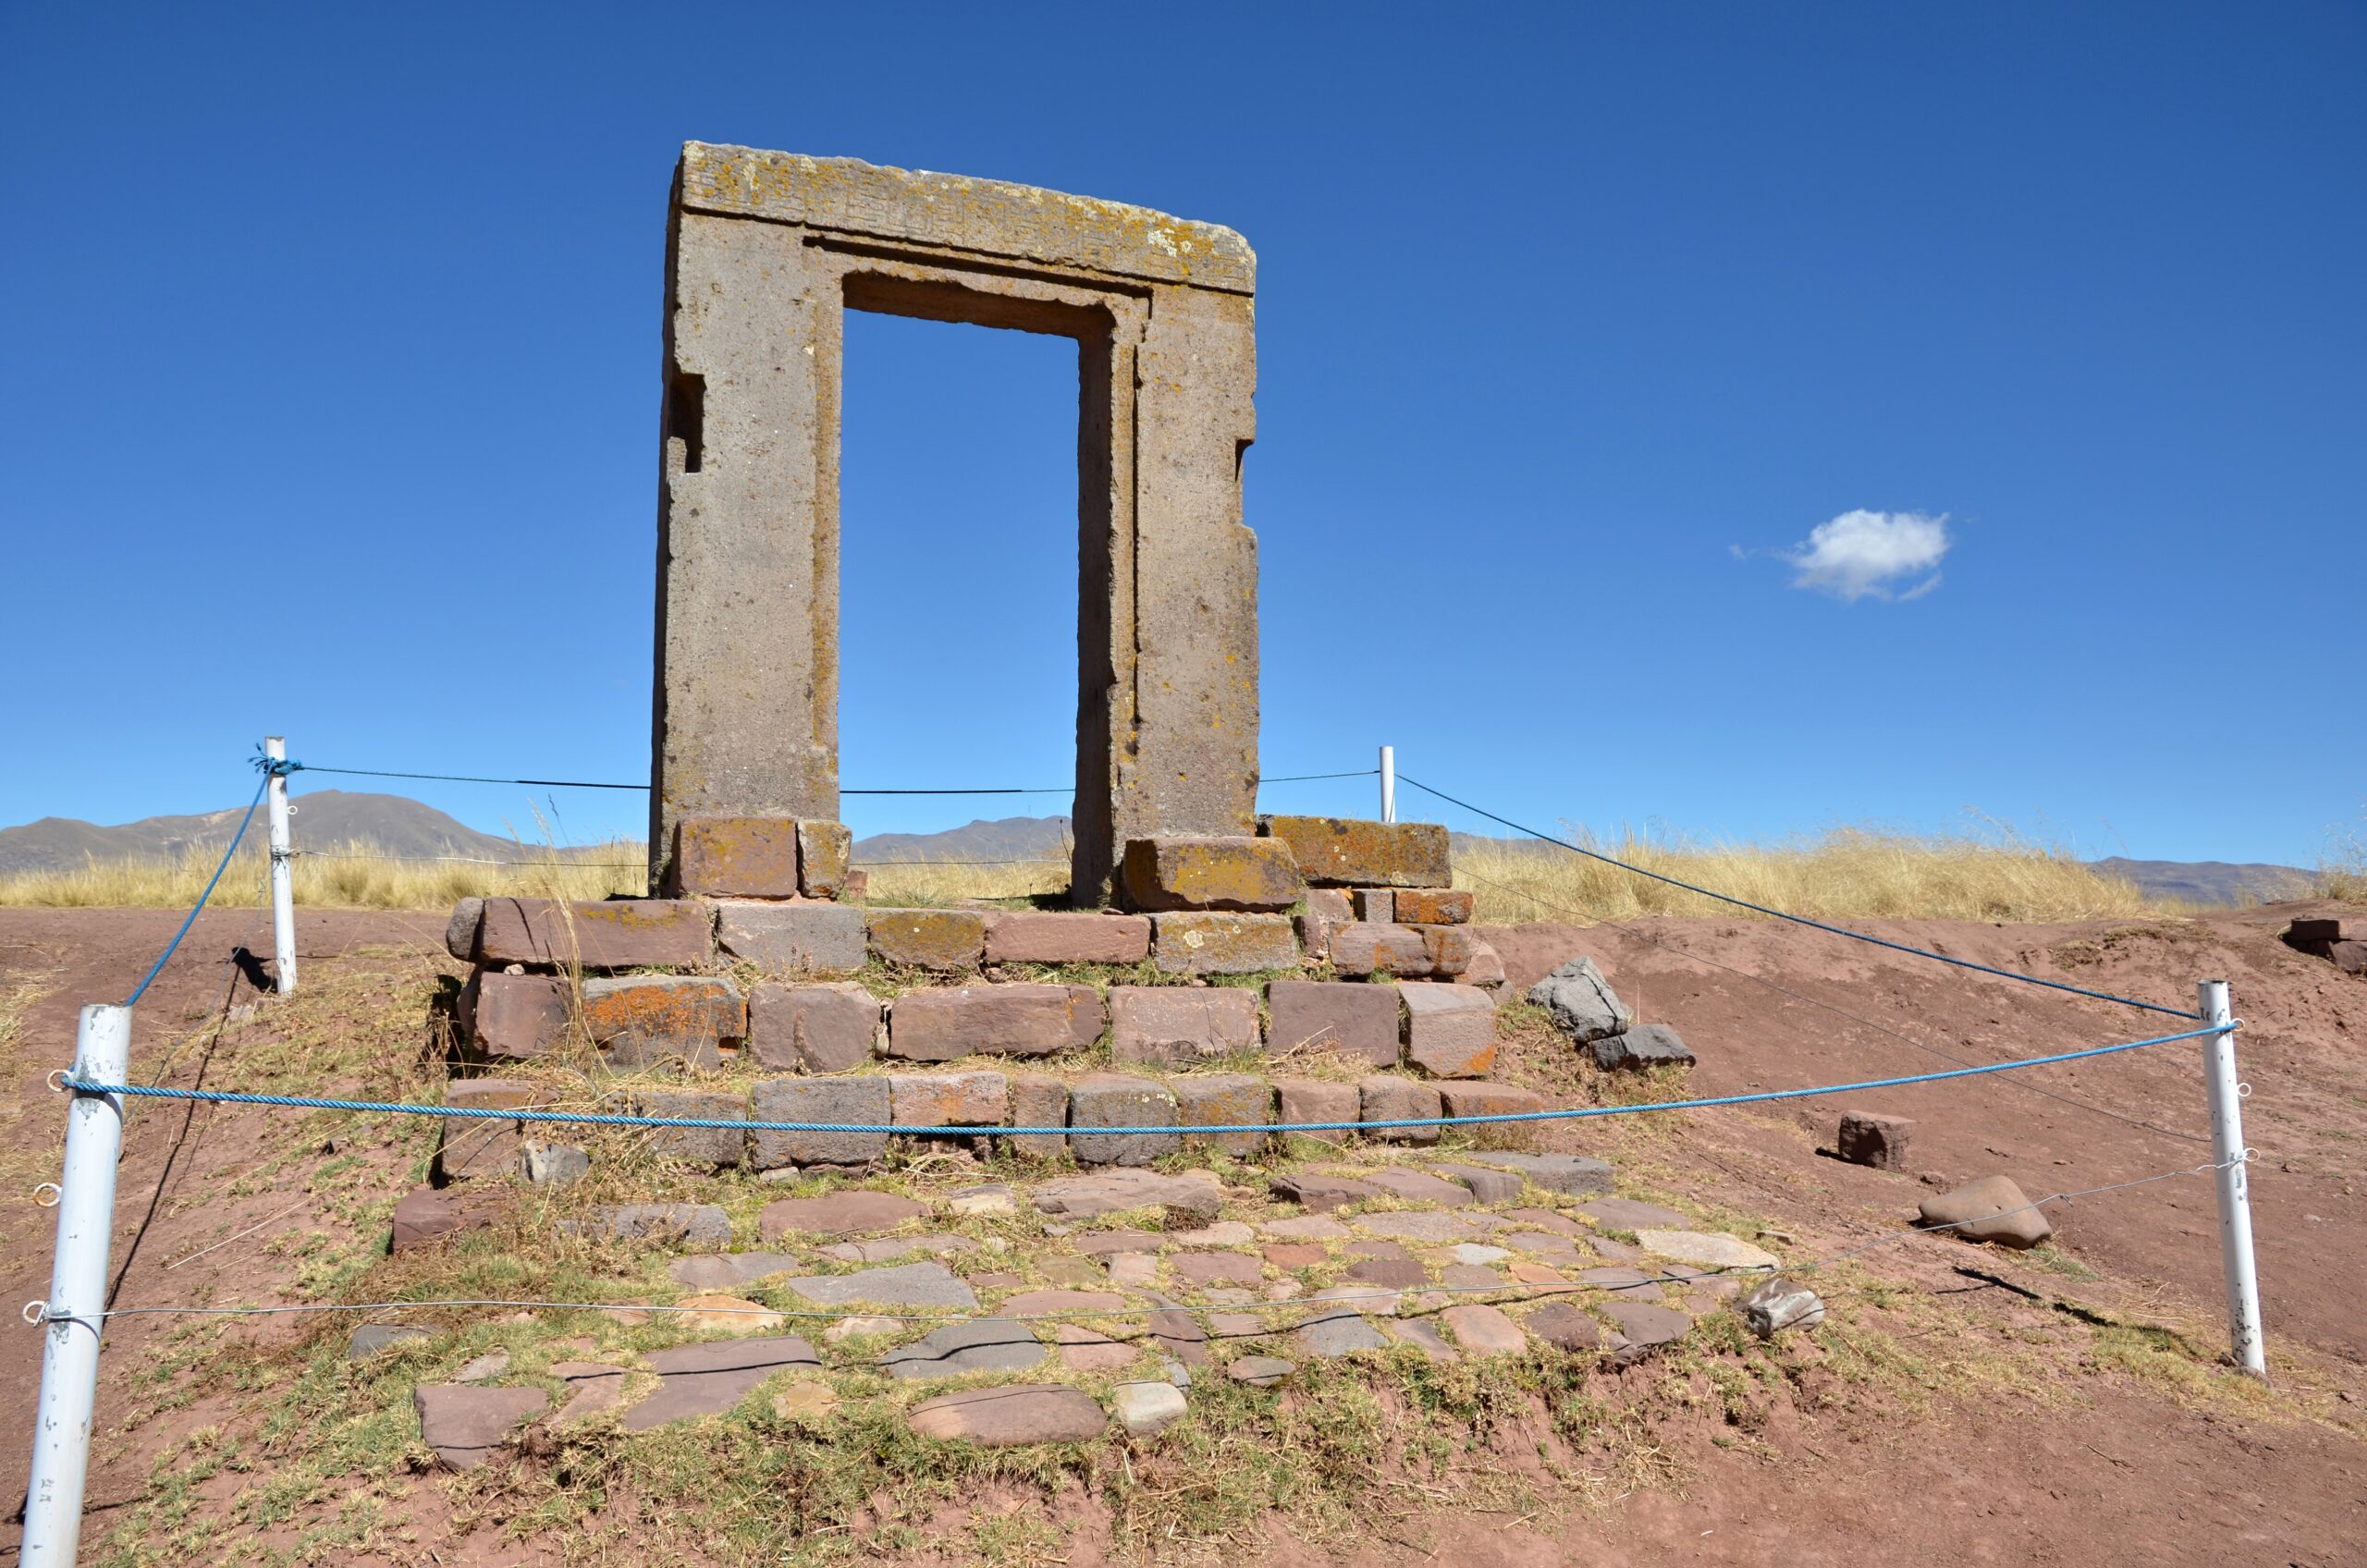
(1340, 851)
(750, 857)
(929, 938)
(1209, 872)
(664, 1008)
(1433, 906)
(1206, 943)
(602, 933)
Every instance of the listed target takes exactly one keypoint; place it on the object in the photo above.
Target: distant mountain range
(396, 825)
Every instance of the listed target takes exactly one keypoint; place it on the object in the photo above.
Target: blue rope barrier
(1796, 919)
(594, 1119)
(170, 947)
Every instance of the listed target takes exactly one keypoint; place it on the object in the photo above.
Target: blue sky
(333, 360)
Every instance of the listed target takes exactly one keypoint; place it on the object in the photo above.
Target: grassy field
(1849, 874)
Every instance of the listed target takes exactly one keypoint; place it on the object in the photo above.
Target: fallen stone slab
(372, 1338)
(593, 1387)
(465, 1424)
(1707, 1249)
(1144, 1409)
(1318, 1193)
(1415, 1186)
(985, 1344)
(905, 1284)
(707, 1379)
(1991, 1209)
(1642, 1046)
(1564, 1327)
(666, 1224)
(1260, 1371)
(1868, 1138)
(1124, 1187)
(1010, 1417)
(729, 1270)
(1581, 1003)
(1571, 1175)
(1777, 1304)
(428, 1214)
(1627, 1214)
(1644, 1329)
(843, 1213)
(1483, 1330)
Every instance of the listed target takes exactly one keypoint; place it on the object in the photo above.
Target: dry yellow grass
(1847, 874)
(349, 877)
(2343, 874)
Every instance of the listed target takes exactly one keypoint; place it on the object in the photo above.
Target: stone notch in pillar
(766, 252)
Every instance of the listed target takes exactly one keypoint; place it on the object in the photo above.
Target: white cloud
(1864, 554)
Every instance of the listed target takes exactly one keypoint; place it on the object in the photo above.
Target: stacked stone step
(2322, 938)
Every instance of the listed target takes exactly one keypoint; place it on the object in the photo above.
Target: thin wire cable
(599, 784)
(170, 947)
(1818, 1002)
(595, 1119)
(553, 865)
(1796, 919)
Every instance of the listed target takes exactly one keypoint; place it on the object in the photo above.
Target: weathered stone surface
(1328, 903)
(1223, 1100)
(1206, 872)
(1067, 936)
(1011, 1416)
(1483, 1330)
(668, 1224)
(1319, 1193)
(949, 1099)
(1708, 1249)
(596, 934)
(1774, 1305)
(481, 1146)
(1416, 1186)
(638, 1020)
(2317, 929)
(1179, 1026)
(1870, 1138)
(426, 1214)
(1260, 1371)
(1574, 1175)
(907, 1284)
(1449, 1030)
(942, 939)
(846, 1213)
(1144, 1409)
(851, 1099)
(1315, 935)
(815, 939)
(1397, 1273)
(729, 1270)
(1627, 1214)
(1347, 1018)
(1195, 943)
(1564, 1327)
(1338, 1331)
(1464, 1099)
(1316, 1100)
(828, 1027)
(517, 1017)
(1366, 947)
(461, 931)
(1308, 1227)
(1644, 1328)
(1105, 1100)
(742, 857)
(1418, 1225)
(1100, 1244)
(823, 849)
(707, 1379)
(1337, 852)
(1205, 1269)
(705, 1146)
(1039, 1099)
(1449, 948)
(552, 1165)
(1375, 906)
(483, 1369)
(1643, 1045)
(372, 1338)
(1008, 1019)
(888, 1249)
(984, 1345)
(1433, 906)
(1394, 1099)
(1544, 1244)
(710, 1312)
(593, 1387)
(1991, 1209)
(1486, 969)
(1107, 1192)
(1582, 1001)
(464, 1425)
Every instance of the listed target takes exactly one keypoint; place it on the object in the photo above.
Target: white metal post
(77, 1289)
(2244, 1347)
(1389, 783)
(283, 890)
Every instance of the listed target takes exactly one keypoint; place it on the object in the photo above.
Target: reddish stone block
(831, 1027)
(1394, 1099)
(1868, 1138)
(1434, 906)
(700, 1145)
(515, 1017)
(1449, 1030)
(1223, 1100)
(1067, 936)
(1494, 1099)
(1223, 943)
(1106, 1099)
(942, 939)
(1376, 906)
(795, 939)
(1352, 1019)
(949, 1099)
(1336, 852)
(1088, 1016)
(1178, 1026)
(610, 934)
(822, 848)
(426, 1214)
(751, 857)
(1450, 949)
(642, 1019)
(1330, 903)
(1209, 873)
(1365, 948)
(1316, 1100)
(1039, 1099)
(484, 1145)
(940, 1025)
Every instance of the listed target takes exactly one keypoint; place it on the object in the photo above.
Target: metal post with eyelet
(2231, 1160)
(77, 1292)
(283, 899)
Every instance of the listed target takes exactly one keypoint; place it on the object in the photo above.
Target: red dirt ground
(2122, 1474)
